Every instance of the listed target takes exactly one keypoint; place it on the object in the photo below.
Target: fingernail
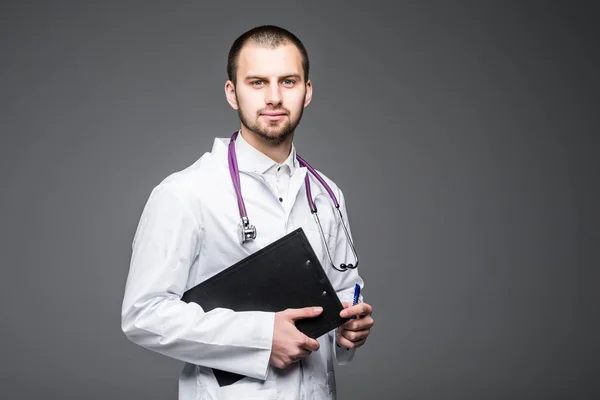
(317, 309)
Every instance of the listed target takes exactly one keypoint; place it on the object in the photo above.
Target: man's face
(270, 94)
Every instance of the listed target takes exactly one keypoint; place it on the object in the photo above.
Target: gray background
(464, 135)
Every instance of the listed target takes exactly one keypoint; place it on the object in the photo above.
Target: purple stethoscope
(248, 232)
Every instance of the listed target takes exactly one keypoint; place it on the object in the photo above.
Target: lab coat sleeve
(166, 242)
(344, 282)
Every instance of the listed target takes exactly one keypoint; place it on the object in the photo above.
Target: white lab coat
(187, 233)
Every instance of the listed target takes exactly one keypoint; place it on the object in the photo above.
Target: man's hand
(289, 344)
(353, 333)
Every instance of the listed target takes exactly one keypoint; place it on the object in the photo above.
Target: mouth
(273, 116)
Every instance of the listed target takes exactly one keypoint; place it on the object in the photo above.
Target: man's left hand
(353, 333)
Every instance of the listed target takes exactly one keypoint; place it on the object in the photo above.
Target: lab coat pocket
(318, 245)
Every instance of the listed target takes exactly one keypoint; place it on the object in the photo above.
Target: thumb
(306, 312)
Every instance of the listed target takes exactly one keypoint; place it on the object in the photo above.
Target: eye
(257, 83)
(289, 82)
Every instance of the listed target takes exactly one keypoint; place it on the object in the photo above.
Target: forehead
(257, 60)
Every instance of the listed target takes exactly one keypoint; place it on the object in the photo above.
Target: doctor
(189, 231)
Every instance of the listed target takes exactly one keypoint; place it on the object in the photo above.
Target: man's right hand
(289, 344)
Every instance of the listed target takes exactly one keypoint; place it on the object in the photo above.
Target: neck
(277, 152)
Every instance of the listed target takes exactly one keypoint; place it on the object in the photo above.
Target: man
(189, 231)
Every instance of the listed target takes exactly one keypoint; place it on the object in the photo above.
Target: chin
(275, 132)
(276, 137)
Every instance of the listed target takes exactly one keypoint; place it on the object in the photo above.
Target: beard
(273, 132)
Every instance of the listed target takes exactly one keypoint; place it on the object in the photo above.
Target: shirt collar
(252, 160)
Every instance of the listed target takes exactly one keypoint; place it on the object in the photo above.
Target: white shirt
(187, 233)
(277, 175)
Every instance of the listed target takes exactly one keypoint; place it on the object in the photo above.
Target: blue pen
(356, 295)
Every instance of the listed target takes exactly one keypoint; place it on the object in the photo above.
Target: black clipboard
(284, 274)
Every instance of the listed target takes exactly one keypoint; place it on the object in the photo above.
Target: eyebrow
(252, 77)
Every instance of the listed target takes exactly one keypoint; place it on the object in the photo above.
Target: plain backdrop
(463, 133)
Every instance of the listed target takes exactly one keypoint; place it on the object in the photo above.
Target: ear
(230, 95)
(308, 97)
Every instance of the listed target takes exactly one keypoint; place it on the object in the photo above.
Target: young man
(189, 231)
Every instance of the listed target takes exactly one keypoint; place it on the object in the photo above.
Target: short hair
(265, 35)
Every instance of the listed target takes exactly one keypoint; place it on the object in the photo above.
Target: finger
(361, 309)
(343, 341)
(355, 336)
(359, 324)
(300, 313)
(302, 353)
(351, 311)
(311, 344)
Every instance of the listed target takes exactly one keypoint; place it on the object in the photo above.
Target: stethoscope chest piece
(247, 231)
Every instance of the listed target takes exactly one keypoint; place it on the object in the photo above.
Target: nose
(273, 95)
